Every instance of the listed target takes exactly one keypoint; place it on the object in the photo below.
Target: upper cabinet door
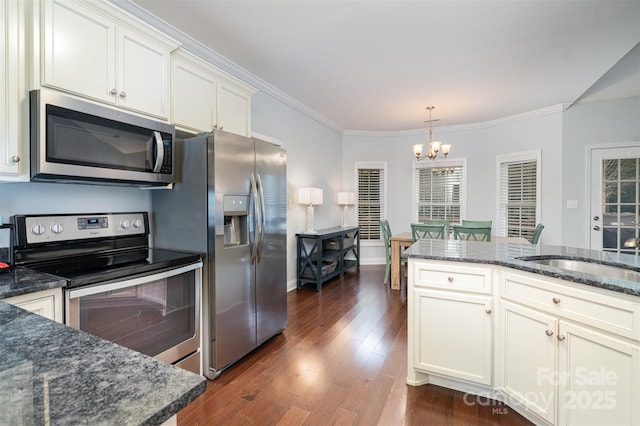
(234, 108)
(93, 50)
(143, 74)
(79, 51)
(194, 90)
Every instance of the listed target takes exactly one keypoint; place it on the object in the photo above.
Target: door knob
(596, 228)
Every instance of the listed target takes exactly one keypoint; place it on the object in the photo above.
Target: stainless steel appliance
(117, 287)
(78, 141)
(230, 202)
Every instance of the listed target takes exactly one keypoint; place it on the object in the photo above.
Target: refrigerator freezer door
(271, 269)
(235, 297)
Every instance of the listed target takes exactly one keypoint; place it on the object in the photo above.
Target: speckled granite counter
(23, 281)
(507, 254)
(53, 374)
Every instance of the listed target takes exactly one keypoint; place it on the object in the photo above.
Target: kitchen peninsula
(492, 320)
(51, 373)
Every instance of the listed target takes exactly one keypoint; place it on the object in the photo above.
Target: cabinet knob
(450, 279)
(15, 158)
(556, 300)
(549, 333)
(123, 94)
(561, 337)
(488, 310)
(596, 228)
(113, 92)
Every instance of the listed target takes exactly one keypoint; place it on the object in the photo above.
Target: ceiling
(375, 65)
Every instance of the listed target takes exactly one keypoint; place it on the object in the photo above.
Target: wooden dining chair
(477, 223)
(536, 234)
(472, 233)
(421, 230)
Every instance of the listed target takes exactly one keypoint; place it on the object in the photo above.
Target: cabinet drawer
(451, 276)
(614, 314)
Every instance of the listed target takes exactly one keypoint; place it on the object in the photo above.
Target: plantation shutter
(518, 195)
(438, 193)
(370, 202)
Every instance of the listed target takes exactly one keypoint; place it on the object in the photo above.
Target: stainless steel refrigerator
(230, 204)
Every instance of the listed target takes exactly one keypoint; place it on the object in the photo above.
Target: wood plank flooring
(341, 360)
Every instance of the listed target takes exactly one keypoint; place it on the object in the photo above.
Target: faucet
(632, 242)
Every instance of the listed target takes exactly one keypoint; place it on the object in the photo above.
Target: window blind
(370, 202)
(518, 198)
(438, 193)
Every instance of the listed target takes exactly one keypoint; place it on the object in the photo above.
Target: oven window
(149, 318)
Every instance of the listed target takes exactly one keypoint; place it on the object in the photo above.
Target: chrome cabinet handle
(113, 92)
(556, 300)
(123, 94)
(549, 333)
(450, 279)
(561, 337)
(15, 158)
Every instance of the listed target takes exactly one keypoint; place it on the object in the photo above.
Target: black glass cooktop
(96, 268)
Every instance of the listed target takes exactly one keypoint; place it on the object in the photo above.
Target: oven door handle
(118, 285)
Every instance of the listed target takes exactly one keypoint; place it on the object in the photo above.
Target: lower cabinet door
(46, 303)
(599, 378)
(453, 335)
(526, 359)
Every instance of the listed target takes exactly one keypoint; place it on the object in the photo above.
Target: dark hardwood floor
(341, 360)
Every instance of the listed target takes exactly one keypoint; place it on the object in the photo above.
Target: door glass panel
(620, 203)
(148, 318)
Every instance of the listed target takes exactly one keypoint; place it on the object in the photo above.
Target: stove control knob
(38, 229)
(57, 228)
(125, 224)
(137, 223)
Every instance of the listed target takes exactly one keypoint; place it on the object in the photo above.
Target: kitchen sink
(587, 268)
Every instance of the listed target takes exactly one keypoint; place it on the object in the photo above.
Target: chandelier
(434, 146)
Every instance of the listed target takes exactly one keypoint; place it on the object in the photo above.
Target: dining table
(404, 239)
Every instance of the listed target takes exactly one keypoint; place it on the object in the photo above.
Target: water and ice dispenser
(236, 212)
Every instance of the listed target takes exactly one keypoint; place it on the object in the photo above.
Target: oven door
(157, 315)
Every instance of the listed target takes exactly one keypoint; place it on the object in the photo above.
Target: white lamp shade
(310, 196)
(346, 198)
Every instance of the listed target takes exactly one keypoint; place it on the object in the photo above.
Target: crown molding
(193, 46)
(461, 127)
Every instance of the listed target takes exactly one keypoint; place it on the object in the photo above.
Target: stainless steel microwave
(78, 141)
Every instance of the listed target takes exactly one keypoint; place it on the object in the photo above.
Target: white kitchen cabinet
(47, 303)
(93, 50)
(204, 97)
(563, 355)
(451, 322)
(13, 113)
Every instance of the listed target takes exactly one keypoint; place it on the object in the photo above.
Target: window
(439, 191)
(519, 193)
(371, 185)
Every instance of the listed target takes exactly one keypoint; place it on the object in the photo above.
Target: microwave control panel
(57, 228)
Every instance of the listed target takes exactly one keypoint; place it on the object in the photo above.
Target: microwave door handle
(159, 152)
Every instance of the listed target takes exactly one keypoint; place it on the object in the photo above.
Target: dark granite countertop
(54, 374)
(508, 254)
(22, 281)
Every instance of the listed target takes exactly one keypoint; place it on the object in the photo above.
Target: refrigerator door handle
(262, 217)
(254, 193)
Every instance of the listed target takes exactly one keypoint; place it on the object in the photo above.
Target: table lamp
(311, 197)
(346, 199)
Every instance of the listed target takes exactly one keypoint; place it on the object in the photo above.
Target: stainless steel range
(118, 288)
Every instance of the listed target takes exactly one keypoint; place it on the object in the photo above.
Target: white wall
(313, 159)
(596, 123)
(480, 144)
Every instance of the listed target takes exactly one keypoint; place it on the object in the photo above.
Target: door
(232, 157)
(598, 379)
(614, 192)
(527, 359)
(271, 266)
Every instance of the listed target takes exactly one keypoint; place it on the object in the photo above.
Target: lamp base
(310, 214)
(345, 216)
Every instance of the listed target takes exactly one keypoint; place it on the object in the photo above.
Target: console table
(327, 253)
